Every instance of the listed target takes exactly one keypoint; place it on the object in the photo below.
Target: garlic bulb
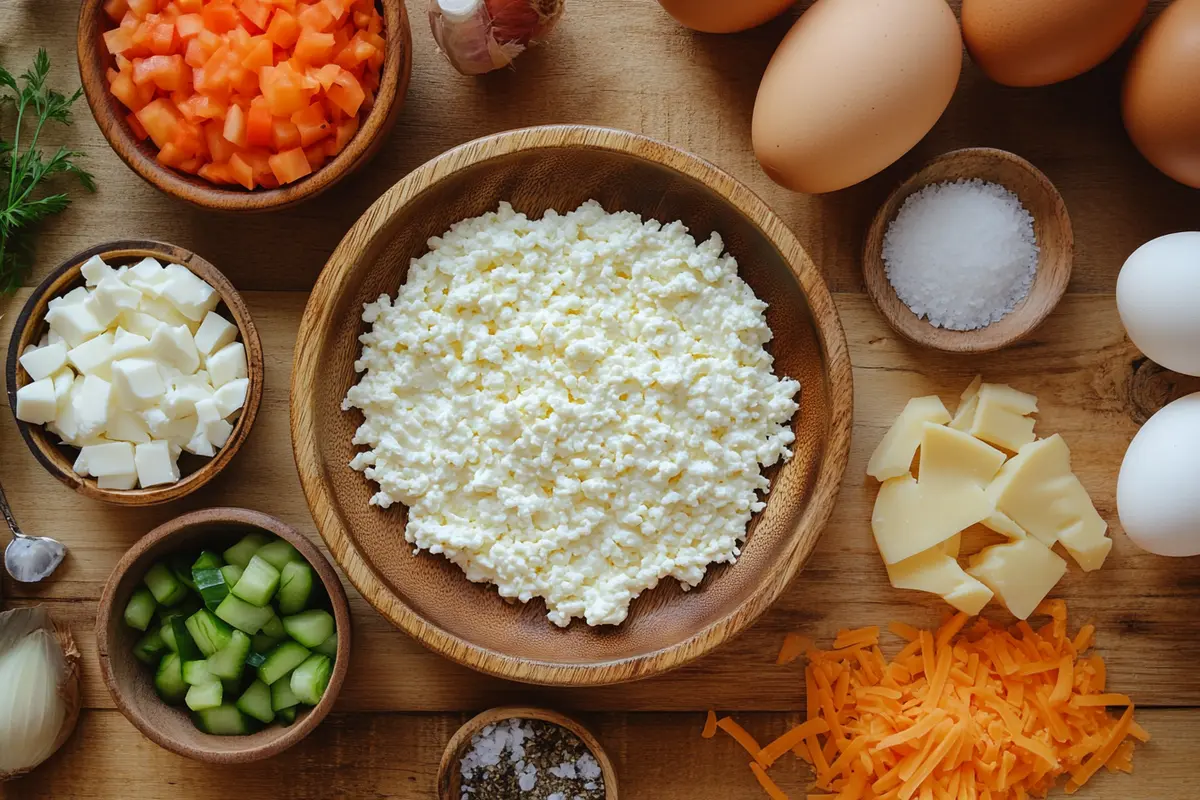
(39, 689)
(479, 36)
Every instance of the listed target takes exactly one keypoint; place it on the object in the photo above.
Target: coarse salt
(961, 254)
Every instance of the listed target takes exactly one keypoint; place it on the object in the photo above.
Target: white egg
(1157, 497)
(1158, 297)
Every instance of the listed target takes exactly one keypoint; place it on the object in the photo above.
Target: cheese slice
(1001, 523)
(1021, 573)
(893, 457)
(952, 460)
(1002, 416)
(937, 572)
(964, 415)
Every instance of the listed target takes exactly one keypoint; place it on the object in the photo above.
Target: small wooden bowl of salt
(517, 751)
(970, 254)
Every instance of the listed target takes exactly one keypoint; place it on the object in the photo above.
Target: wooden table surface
(623, 63)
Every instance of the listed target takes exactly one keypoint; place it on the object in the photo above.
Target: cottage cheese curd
(572, 408)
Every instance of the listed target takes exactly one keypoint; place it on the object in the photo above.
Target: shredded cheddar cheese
(978, 713)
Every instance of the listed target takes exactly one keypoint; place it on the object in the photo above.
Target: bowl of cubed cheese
(135, 372)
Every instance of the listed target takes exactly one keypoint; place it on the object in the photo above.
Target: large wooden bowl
(195, 471)
(538, 169)
(140, 155)
(131, 683)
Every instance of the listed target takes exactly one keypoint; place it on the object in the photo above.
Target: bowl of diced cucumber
(224, 635)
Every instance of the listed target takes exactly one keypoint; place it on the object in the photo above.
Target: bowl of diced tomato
(244, 105)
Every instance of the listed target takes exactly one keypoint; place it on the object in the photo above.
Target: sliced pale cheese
(952, 546)
(964, 415)
(936, 572)
(951, 459)
(1002, 524)
(1021, 573)
(1002, 416)
(893, 457)
(909, 519)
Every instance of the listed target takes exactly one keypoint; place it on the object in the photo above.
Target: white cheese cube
(189, 293)
(74, 322)
(93, 357)
(64, 379)
(227, 364)
(147, 276)
(73, 297)
(54, 337)
(155, 464)
(214, 333)
(180, 431)
(36, 403)
(42, 362)
(185, 392)
(218, 432)
(206, 411)
(174, 346)
(67, 421)
(80, 465)
(156, 421)
(199, 443)
(129, 345)
(137, 383)
(111, 458)
(94, 270)
(230, 397)
(91, 407)
(126, 426)
(117, 481)
(112, 297)
(164, 312)
(138, 322)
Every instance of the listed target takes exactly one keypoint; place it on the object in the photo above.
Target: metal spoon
(29, 559)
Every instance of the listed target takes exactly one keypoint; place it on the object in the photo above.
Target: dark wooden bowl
(1051, 227)
(449, 780)
(195, 471)
(131, 683)
(140, 155)
(537, 169)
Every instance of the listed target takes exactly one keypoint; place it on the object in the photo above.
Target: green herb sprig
(22, 172)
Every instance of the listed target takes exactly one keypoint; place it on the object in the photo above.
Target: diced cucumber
(195, 673)
(207, 560)
(258, 582)
(286, 716)
(328, 647)
(295, 587)
(139, 611)
(310, 628)
(162, 583)
(168, 635)
(233, 686)
(230, 660)
(262, 643)
(181, 568)
(224, 720)
(210, 633)
(240, 554)
(151, 647)
(310, 678)
(205, 696)
(283, 659)
(232, 573)
(279, 553)
(255, 659)
(274, 627)
(182, 640)
(256, 702)
(282, 696)
(168, 679)
(242, 615)
(211, 585)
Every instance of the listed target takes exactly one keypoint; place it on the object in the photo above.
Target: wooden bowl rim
(919, 331)
(284, 737)
(38, 439)
(462, 737)
(371, 226)
(110, 118)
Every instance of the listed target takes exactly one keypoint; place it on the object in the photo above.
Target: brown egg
(724, 16)
(1038, 42)
(853, 86)
(1162, 93)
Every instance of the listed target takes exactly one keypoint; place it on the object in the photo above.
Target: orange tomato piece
(129, 93)
(317, 17)
(220, 148)
(347, 93)
(282, 91)
(257, 12)
(217, 173)
(234, 129)
(259, 123)
(118, 40)
(160, 118)
(285, 135)
(345, 132)
(241, 171)
(313, 47)
(141, 8)
(290, 165)
(220, 16)
(190, 6)
(115, 9)
(166, 72)
(357, 51)
(139, 132)
(284, 30)
(189, 25)
(312, 125)
(325, 76)
(163, 38)
(261, 53)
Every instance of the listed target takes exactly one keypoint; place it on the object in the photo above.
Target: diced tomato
(282, 91)
(163, 38)
(189, 25)
(347, 93)
(259, 124)
(284, 30)
(290, 165)
(284, 135)
(125, 90)
(220, 16)
(317, 155)
(256, 11)
(311, 124)
(139, 132)
(166, 72)
(189, 138)
(161, 121)
(235, 126)
(115, 9)
(241, 171)
(220, 148)
(118, 40)
(261, 53)
(202, 107)
(142, 8)
(217, 172)
(190, 6)
(345, 132)
(337, 9)
(313, 47)
(317, 17)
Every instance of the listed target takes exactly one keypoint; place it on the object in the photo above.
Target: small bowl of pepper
(512, 750)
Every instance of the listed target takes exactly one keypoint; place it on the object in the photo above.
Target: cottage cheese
(572, 408)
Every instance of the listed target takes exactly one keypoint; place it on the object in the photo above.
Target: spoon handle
(8, 515)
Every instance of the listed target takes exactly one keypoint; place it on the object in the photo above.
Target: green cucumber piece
(151, 647)
(233, 686)
(279, 553)
(139, 611)
(258, 582)
(262, 643)
(224, 720)
(310, 679)
(207, 560)
(310, 628)
(211, 585)
(295, 587)
(204, 696)
(282, 696)
(274, 627)
(184, 644)
(256, 702)
(240, 554)
(162, 583)
(255, 659)
(167, 632)
(328, 647)
(195, 673)
(209, 632)
(230, 660)
(168, 679)
(242, 615)
(286, 716)
(283, 659)
(181, 568)
(232, 573)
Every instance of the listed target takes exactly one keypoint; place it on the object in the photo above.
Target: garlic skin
(479, 36)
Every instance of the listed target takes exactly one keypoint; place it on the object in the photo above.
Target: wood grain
(561, 167)
(30, 325)
(1051, 228)
(94, 60)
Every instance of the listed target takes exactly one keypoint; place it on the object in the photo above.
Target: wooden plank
(1091, 385)
(659, 756)
(699, 95)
